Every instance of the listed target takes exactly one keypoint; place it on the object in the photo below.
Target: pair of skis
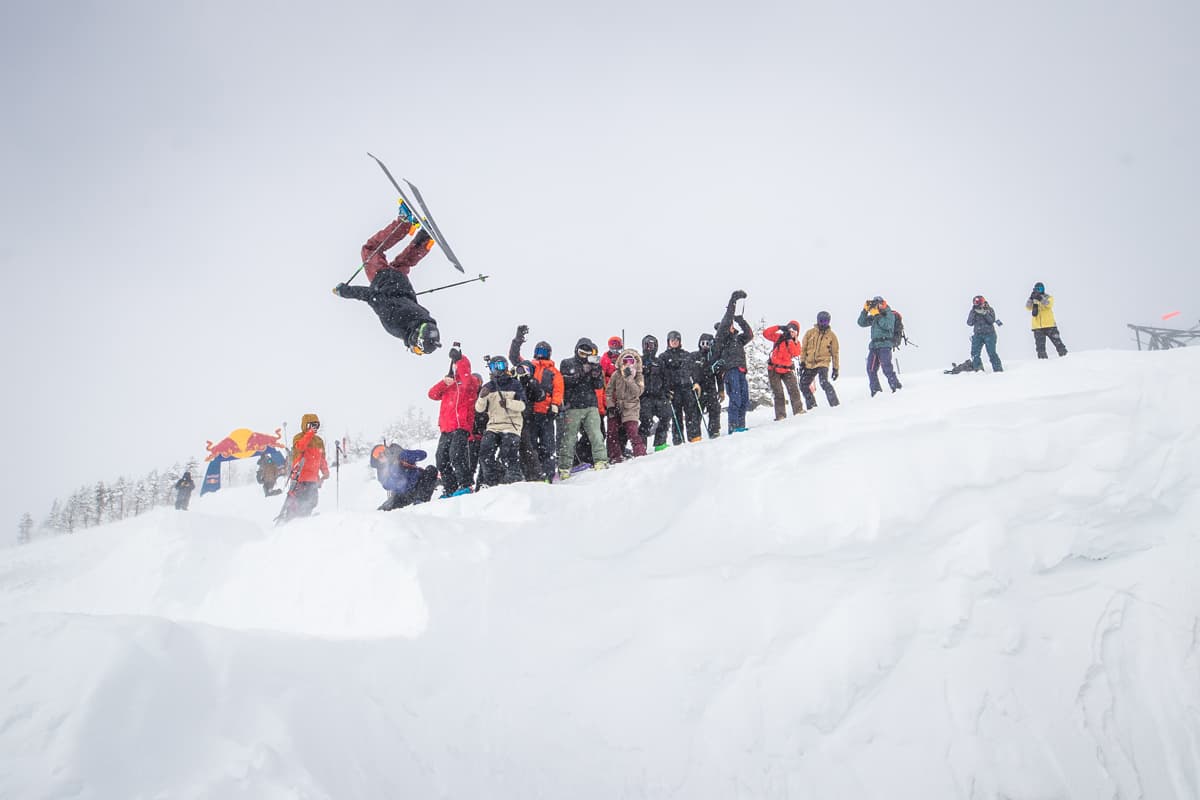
(425, 217)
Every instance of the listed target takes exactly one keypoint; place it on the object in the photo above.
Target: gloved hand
(628, 372)
(998, 322)
(738, 295)
(338, 289)
(485, 391)
(802, 365)
(553, 409)
(522, 332)
(833, 373)
(455, 355)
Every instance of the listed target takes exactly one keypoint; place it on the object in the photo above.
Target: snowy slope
(982, 586)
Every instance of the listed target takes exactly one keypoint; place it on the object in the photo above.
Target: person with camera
(983, 322)
(1041, 305)
(882, 321)
(655, 405)
(624, 393)
(582, 378)
(733, 334)
(820, 360)
(503, 400)
(781, 370)
(456, 393)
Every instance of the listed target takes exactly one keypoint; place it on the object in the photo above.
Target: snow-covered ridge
(981, 586)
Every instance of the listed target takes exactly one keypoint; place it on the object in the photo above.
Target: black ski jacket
(700, 364)
(675, 367)
(652, 374)
(729, 348)
(391, 297)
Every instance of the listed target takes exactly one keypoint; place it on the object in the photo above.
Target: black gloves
(738, 295)
(455, 355)
(833, 374)
(628, 372)
(522, 332)
(338, 289)
(485, 391)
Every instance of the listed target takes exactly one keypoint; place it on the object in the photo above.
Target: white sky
(184, 183)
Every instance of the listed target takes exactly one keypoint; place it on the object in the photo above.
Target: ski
(434, 230)
(426, 220)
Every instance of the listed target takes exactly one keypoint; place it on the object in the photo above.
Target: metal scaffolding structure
(1165, 338)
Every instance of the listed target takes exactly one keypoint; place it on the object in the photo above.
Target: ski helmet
(615, 343)
(585, 347)
(979, 300)
(649, 344)
(823, 319)
(674, 336)
(497, 365)
(705, 341)
(1039, 287)
(541, 350)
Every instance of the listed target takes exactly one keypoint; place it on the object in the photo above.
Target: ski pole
(337, 475)
(481, 278)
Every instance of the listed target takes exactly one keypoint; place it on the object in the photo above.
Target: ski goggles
(630, 360)
(498, 365)
(523, 369)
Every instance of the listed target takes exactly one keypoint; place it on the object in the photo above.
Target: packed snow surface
(982, 586)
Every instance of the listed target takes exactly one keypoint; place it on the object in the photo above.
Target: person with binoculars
(881, 320)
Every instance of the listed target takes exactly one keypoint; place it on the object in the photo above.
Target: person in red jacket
(781, 371)
(309, 470)
(456, 416)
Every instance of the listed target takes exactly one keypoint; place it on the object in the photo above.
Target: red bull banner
(239, 444)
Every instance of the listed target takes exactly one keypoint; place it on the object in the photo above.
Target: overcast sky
(183, 183)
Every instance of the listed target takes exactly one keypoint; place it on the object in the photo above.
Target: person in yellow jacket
(1041, 305)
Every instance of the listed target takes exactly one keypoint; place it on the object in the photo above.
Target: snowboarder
(733, 334)
(390, 293)
(982, 319)
(583, 379)
(456, 394)
(624, 392)
(406, 483)
(309, 469)
(183, 491)
(882, 321)
(503, 400)
(781, 367)
(1044, 327)
(820, 360)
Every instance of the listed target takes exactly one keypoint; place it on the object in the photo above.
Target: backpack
(898, 337)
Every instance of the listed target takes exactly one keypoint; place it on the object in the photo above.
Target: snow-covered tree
(25, 529)
(758, 353)
(414, 427)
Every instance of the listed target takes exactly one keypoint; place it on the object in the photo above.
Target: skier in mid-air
(390, 294)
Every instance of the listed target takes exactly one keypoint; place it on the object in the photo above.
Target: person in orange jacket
(543, 422)
(781, 371)
(309, 469)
